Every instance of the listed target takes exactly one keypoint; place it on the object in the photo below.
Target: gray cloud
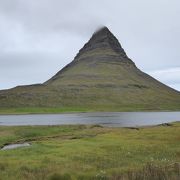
(169, 76)
(39, 37)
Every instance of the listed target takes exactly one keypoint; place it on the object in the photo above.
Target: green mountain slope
(101, 77)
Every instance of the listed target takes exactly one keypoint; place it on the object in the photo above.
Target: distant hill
(101, 77)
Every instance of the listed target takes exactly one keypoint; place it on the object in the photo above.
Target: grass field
(54, 110)
(91, 152)
(39, 110)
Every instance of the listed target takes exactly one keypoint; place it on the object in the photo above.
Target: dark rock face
(103, 41)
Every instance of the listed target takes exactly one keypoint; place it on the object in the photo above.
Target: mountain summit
(105, 42)
(101, 77)
(103, 47)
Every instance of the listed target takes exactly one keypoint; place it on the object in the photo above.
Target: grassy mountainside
(101, 77)
(91, 152)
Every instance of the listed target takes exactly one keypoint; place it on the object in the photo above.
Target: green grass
(39, 110)
(54, 110)
(91, 152)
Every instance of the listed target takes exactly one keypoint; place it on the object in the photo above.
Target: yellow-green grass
(90, 152)
(43, 110)
(58, 110)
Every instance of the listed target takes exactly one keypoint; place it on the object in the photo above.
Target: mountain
(101, 77)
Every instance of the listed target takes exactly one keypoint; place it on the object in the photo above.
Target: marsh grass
(93, 108)
(91, 152)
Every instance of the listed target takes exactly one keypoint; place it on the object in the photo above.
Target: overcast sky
(39, 37)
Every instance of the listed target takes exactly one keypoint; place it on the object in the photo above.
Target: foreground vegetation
(91, 152)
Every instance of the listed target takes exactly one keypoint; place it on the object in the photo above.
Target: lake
(112, 119)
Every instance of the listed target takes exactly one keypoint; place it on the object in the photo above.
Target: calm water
(114, 119)
(14, 146)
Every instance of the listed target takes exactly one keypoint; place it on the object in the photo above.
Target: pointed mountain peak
(102, 30)
(101, 42)
(104, 35)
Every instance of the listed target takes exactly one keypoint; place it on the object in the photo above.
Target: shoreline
(77, 112)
